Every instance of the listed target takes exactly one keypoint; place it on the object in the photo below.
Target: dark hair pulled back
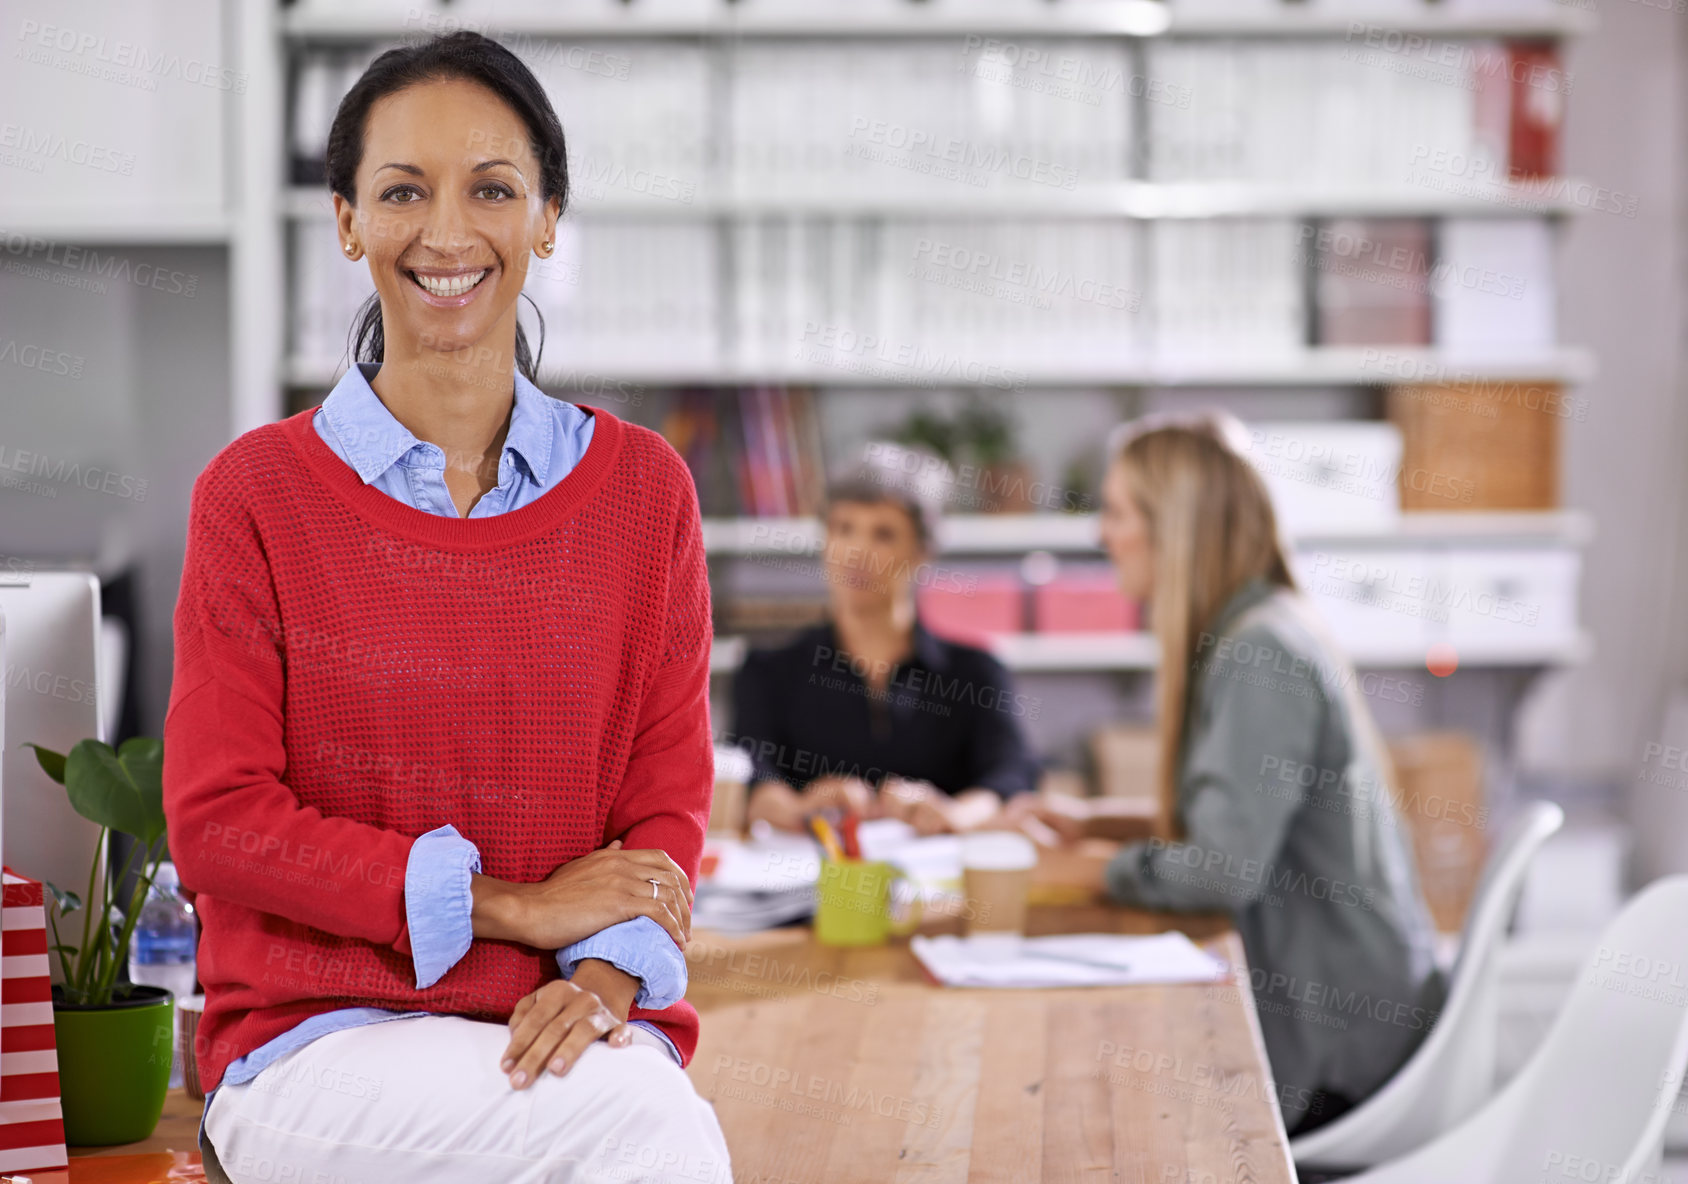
(460, 55)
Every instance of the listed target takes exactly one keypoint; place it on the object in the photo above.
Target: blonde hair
(1211, 530)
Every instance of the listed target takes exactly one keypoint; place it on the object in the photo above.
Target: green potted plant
(114, 1038)
(979, 437)
(1004, 480)
(930, 431)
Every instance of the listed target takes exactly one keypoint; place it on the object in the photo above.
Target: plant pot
(114, 1066)
(1005, 488)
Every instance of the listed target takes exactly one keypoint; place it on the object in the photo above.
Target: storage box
(982, 607)
(1372, 598)
(1371, 280)
(1334, 476)
(31, 1120)
(1440, 800)
(1082, 600)
(1519, 596)
(1494, 290)
(1128, 805)
(1479, 445)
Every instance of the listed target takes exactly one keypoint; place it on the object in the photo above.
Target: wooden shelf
(1096, 18)
(1016, 534)
(1382, 365)
(1066, 653)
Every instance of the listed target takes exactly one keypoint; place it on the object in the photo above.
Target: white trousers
(422, 1101)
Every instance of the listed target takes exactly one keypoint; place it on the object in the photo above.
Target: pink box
(984, 607)
(1082, 602)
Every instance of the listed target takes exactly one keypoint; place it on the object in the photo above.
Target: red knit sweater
(351, 672)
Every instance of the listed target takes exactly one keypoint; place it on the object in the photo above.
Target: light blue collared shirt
(546, 440)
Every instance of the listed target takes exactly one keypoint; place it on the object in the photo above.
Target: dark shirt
(948, 714)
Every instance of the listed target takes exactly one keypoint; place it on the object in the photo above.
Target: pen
(1074, 960)
(852, 841)
(823, 832)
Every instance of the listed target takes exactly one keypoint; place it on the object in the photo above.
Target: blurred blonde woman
(1272, 771)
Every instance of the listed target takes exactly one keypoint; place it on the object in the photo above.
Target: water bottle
(161, 949)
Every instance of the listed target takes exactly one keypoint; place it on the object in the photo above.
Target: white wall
(111, 106)
(115, 113)
(1621, 293)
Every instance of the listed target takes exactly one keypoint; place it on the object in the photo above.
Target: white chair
(1591, 1104)
(1453, 1071)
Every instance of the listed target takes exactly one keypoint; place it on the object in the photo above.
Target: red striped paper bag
(31, 1122)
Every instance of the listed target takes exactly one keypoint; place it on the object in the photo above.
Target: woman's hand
(1047, 819)
(925, 807)
(785, 808)
(777, 804)
(849, 794)
(553, 1026)
(583, 896)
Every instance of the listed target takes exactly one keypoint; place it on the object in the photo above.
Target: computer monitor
(51, 697)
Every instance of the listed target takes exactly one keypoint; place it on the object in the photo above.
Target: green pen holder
(853, 904)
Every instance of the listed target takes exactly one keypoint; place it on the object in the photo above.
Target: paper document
(1068, 960)
(769, 879)
(756, 885)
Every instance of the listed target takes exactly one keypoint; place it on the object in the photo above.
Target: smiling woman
(518, 742)
(449, 170)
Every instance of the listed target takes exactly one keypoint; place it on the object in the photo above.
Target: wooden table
(842, 1065)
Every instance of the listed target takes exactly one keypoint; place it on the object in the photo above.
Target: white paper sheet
(1068, 960)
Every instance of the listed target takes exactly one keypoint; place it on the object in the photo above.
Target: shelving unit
(263, 40)
(713, 197)
(1493, 676)
(1074, 537)
(262, 37)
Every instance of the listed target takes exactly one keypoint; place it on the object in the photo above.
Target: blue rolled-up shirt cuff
(641, 948)
(438, 902)
(660, 1034)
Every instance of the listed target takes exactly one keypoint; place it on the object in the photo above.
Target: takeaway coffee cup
(188, 1013)
(996, 874)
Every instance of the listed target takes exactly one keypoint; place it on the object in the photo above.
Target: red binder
(1538, 109)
